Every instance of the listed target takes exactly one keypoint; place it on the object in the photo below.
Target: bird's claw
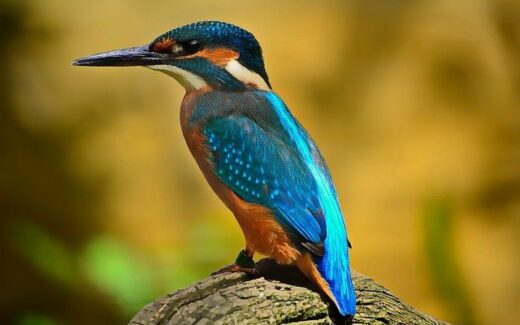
(245, 259)
(243, 263)
(237, 268)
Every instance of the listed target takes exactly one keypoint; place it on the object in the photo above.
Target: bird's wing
(266, 157)
(263, 168)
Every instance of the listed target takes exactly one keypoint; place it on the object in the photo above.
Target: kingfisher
(254, 154)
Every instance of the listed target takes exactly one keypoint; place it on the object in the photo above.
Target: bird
(253, 152)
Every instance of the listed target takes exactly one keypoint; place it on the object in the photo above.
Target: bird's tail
(332, 275)
(335, 270)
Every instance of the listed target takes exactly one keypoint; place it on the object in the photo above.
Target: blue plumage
(250, 161)
(334, 265)
(268, 159)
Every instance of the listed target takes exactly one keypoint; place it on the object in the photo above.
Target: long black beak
(133, 56)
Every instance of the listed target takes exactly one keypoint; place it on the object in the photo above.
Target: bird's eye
(191, 47)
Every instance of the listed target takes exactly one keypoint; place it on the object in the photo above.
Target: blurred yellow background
(415, 105)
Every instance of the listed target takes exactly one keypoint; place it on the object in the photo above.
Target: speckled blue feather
(263, 154)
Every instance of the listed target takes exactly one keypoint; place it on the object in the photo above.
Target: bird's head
(204, 54)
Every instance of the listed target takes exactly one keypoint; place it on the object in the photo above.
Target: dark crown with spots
(215, 34)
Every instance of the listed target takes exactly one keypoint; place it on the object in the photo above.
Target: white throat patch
(245, 75)
(187, 79)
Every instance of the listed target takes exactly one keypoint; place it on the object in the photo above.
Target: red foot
(236, 268)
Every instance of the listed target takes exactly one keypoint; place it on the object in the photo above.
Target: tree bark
(280, 295)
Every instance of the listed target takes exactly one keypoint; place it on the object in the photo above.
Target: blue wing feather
(261, 169)
(263, 154)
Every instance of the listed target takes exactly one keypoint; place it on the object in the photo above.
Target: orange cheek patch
(219, 56)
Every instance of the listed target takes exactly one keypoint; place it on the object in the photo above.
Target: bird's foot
(237, 268)
(243, 263)
(245, 259)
